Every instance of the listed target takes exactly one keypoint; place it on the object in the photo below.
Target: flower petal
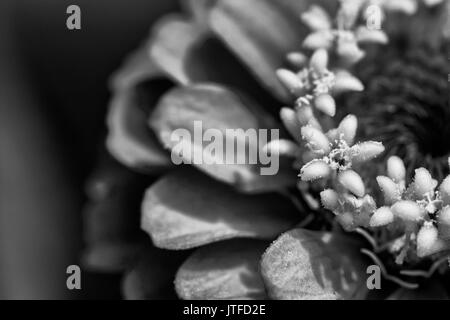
(137, 68)
(187, 209)
(407, 210)
(216, 108)
(172, 40)
(381, 217)
(364, 34)
(316, 18)
(261, 33)
(347, 129)
(316, 140)
(423, 183)
(225, 270)
(187, 52)
(396, 169)
(345, 81)
(390, 190)
(315, 169)
(367, 150)
(322, 39)
(303, 264)
(129, 139)
(352, 181)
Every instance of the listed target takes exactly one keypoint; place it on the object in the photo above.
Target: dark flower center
(406, 106)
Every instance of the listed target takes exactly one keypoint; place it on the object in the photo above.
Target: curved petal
(261, 33)
(186, 209)
(129, 139)
(188, 53)
(173, 38)
(184, 115)
(303, 264)
(225, 270)
(137, 68)
(151, 276)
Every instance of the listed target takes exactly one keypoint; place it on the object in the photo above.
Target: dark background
(53, 98)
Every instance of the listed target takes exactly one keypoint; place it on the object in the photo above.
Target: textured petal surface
(303, 264)
(217, 108)
(187, 209)
(225, 270)
(261, 33)
(173, 39)
(129, 139)
(188, 52)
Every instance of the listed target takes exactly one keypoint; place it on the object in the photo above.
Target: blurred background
(53, 98)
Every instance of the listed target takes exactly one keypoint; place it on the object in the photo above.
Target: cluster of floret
(414, 219)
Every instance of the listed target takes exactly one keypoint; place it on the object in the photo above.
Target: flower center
(405, 105)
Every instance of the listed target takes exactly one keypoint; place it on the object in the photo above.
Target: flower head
(416, 209)
(335, 151)
(228, 215)
(314, 84)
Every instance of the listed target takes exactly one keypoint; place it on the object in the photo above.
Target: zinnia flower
(234, 64)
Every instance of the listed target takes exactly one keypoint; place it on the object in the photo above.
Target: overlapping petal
(225, 270)
(216, 107)
(129, 138)
(303, 264)
(261, 33)
(186, 209)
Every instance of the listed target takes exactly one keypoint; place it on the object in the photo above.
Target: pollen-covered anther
(407, 210)
(290, 121)
(297, 59)
(329, 199)
(316, 140)
(427, 240)
(316, 18)
(352, 181)
(381, 217)
(291, 81)
(423, 183)
(396, 169)
(281, 147)
(365, 151)
(390, 190)
(319, 61)
(326, 104)
(313, 170)
(347, 129)
(348, 49)
(344, 81)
